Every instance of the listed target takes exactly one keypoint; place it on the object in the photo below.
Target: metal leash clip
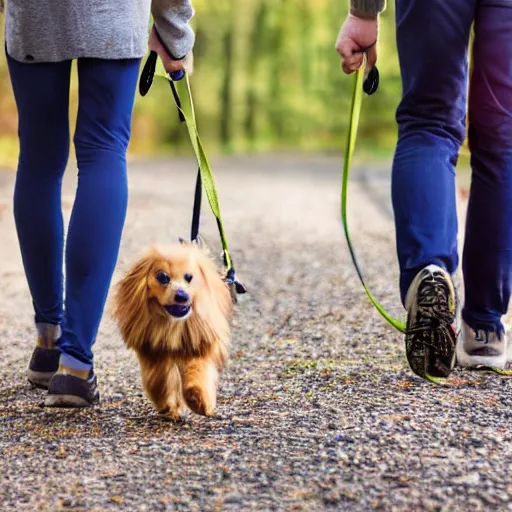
(236, 288)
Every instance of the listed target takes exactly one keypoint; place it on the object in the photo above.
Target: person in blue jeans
(432, 39)
(108, 40)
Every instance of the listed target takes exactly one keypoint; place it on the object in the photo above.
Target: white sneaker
(431, 334)
(481, 348)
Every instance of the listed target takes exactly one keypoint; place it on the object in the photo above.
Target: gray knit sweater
(367, 8)
(57, 30)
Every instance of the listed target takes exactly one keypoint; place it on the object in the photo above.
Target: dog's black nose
(181, 296)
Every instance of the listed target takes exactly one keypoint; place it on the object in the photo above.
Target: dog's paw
(196, 401)
(172, 414)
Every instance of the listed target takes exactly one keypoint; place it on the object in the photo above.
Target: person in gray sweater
(46, 31)
(107, 38)
(433, 40)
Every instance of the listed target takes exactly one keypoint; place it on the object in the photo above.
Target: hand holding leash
(357, 46)
(357, 37)
(175, 66)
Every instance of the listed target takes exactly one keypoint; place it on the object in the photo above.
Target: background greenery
(267, 78)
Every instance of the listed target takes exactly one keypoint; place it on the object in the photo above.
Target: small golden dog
(174, 311)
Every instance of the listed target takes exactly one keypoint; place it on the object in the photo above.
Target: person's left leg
(106, 97)
(487, 259)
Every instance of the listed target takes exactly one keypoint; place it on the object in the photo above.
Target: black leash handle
(371, 82)
(148, 73)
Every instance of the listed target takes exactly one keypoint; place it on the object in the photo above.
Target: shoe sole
(40, 380)
(68, 401)
(433, 362)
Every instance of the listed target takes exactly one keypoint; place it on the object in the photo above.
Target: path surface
(318, 410)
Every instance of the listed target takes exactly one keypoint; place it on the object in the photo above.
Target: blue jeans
(106, 97)
(432, 37)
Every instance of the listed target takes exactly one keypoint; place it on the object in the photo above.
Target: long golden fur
(180, 358)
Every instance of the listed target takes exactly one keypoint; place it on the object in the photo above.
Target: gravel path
(318, 410)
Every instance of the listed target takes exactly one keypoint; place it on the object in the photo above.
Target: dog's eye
(163, 278)
(188, 277)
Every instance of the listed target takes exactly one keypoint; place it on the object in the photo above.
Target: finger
(351, 59)
(350, 69)
(354, 63)
(346, 69)
(346, 47)
(171, 65)
(372, 56)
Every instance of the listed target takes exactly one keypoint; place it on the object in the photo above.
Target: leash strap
(204, 176)
(360, 86)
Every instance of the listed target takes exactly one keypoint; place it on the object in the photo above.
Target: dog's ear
(140, 271)
(132, 289)
(200, 243)
(130, 301)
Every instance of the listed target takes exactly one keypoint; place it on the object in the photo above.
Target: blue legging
(432, 41)
(106, 96)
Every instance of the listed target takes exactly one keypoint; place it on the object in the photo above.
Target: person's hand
(355, 35)
(170, 65)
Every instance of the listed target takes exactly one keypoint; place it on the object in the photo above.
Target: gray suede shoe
(43, 365)
(481, 348)
(70, 391)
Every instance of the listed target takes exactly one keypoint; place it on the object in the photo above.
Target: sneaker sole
(68, 401)
(40, 380)
(433, 362)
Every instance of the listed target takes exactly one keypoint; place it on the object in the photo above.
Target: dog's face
(168, 290)
(175, 279)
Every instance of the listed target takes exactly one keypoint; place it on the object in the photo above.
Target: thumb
(372, 56)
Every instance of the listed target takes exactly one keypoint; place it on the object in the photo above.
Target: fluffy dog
(174, 311)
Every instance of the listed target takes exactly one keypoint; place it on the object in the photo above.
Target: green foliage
(266, 77)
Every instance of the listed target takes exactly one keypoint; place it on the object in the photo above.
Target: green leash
(205, 175)
(357, 100)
